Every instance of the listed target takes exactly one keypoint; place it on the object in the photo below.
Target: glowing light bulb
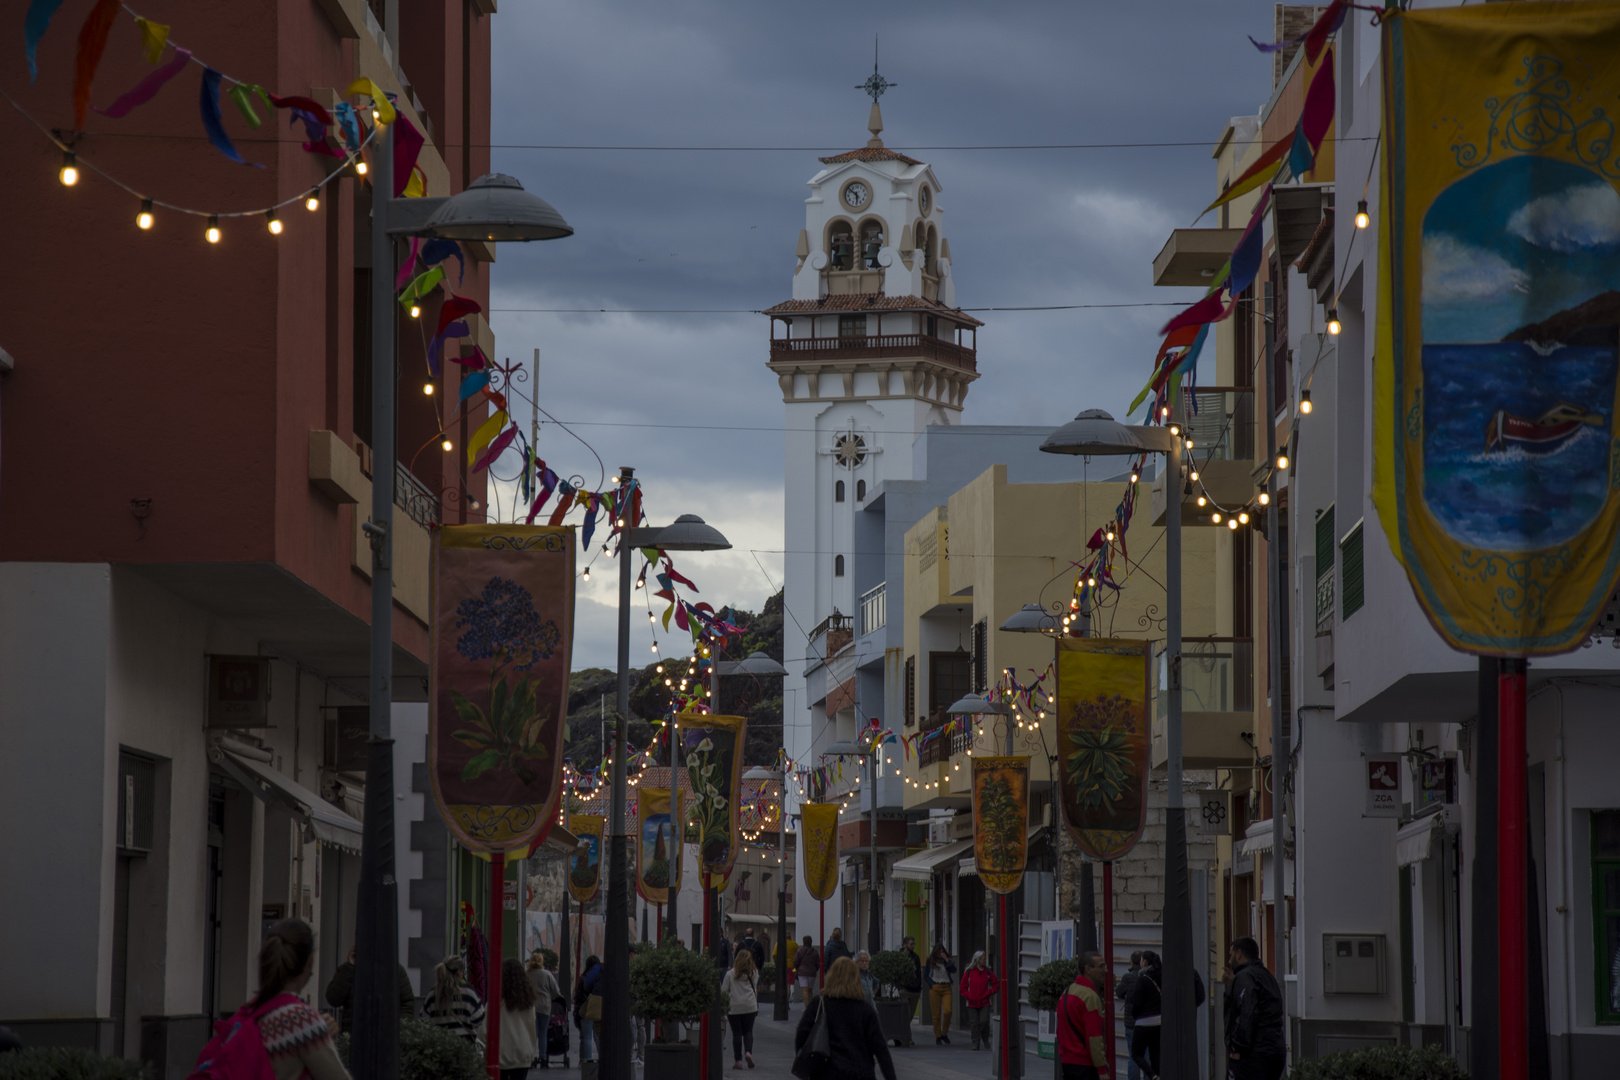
(587, 574)
(1243, 516)
(70, 170)
(655, 646)
(1333, 324)
(1189, 444)
(143, 220)
(1362, 220)
(427, 388)
(448, 445)
(1215, 517)
(213, 230)
(273, 222)
(1175, 429)
(313, 202)
(1265, 498)
(1110, 534)
(361, 168)
(416, 311)
(1193, 476)
(1231, 523)
(1135, 477)
(1282, 461)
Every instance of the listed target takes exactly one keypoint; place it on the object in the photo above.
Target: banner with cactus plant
(585, 864)
(502, 625)
(712, 749)
(1001, 820)
(658, 844)
(1102, 737)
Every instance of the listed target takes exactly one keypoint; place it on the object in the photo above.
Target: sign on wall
(1383, 786)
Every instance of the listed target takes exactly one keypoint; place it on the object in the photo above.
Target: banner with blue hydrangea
(502, 631)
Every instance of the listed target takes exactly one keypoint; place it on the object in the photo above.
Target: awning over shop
(1256, 841)
(1415, 839)
(755, 920)
(921, 866)
(322, 821)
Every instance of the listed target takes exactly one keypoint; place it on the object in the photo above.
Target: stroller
(556, 1037)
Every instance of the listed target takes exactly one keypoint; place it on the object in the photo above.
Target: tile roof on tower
(869, 153)
(871, 302)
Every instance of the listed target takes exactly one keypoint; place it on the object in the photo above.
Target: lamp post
(688, 533)
(845, 748)
(975, 705)
(1095, 433)
(493, 207)
(779, 1011)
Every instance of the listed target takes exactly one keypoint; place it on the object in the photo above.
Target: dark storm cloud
(686, 397)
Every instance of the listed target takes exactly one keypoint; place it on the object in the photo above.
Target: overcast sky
(686, 398)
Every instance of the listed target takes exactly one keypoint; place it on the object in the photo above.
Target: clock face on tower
(857, 194)
(925, 201)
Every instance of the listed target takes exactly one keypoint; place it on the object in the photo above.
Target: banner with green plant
(1102, 737)
(1001, 816)
(501, 622)
(711, 747)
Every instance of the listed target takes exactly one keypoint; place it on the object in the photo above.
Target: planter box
(894, 1020)
(671, 1061)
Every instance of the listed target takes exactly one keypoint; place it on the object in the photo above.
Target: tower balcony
(875, 347)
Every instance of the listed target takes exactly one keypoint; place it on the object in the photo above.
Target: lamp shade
(495, 207)
(974, 705)
(690, 533)
(760, 773)
(1031, 619)
(842, 748)
(756, 663)
(1097, 434)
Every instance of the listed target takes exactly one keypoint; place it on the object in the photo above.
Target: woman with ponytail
(455, 1006)
(296, 1037)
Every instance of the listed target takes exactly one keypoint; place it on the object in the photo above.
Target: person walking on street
(836, 949)
(853, 1035)
(911, 989)
(1146, 1005)
(751, 943)
(742, 983)
(1122, 990)
(1082, 1050)
(807, 965)
(979, 985)
(863, 963)
(518, 998)
(936, 975)
(296, 1037)
(455, 1006)
(588, 1006)
(1255, 1048)
(549, 997)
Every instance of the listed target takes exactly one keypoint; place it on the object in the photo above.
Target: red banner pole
(821, 965)
(1108, 964)
(703, 1025)
(1513, 1021)
(497, 919)
(660, 922)
(1009, 985)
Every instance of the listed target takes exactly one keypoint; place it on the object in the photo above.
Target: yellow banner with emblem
(818, 835)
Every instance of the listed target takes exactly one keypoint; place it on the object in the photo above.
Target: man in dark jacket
(911, 989)
(1122, 990)
(340, 991)
(752, 944)
(835, 947)
(1254, 1019)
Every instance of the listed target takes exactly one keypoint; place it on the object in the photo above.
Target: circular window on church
(850, 450)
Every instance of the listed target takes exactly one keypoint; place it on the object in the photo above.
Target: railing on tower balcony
(831, 634)
(1222, 428)
(875, 347)
(874, 609)
(1217, 675)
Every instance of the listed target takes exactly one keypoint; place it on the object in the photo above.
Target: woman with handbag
(936, 975)
(741, 984)
(839, 1037)
(588, 1006)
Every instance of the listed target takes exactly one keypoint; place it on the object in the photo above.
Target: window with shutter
(911, 691)
(1324, 567)
(1350, 556)
(981, 671)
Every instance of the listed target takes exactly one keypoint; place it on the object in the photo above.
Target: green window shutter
(1606, 913)
(1324, 543)
(1352, 593)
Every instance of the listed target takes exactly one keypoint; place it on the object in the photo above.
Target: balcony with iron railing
(1217, 702)
(875, 347)
(874, 609)
(831, 635)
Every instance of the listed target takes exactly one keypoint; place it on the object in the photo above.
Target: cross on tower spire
(874, 86)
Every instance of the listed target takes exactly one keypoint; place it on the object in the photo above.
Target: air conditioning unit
(1353, 964)
(939, 831)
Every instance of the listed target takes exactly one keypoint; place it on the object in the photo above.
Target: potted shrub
(428, 1052)
(671, 985)
(767, 983)
(1048, 982)
(1382, 1063)
(68, 1063)
(893, 969)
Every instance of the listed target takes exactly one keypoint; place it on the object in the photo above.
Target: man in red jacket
(1082, 1042)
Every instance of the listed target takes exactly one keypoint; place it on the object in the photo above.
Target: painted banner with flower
(1102, 737)
(712, 748)
(1001, 820)
(502, 627)
(658, 844)
(818, 836)
(585, 863)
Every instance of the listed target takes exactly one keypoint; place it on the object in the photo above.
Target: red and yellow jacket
(1080, 1027)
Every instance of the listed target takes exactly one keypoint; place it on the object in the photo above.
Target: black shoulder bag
(812, 1061)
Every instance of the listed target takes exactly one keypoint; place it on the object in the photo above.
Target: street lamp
(1095, 433)
(688, 533)
(780, 1010)
(492, 207)
(845, 748)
